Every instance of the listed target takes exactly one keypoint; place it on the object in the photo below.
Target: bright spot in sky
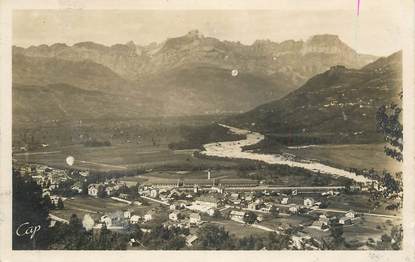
(235, 72)
(70, 160)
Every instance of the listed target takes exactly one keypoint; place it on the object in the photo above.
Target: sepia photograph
(204, 129)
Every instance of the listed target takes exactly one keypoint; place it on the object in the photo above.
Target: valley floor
(156, 165)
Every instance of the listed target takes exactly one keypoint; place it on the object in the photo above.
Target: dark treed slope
(63, 102)
(340, 103)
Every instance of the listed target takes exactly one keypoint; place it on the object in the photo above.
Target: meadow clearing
(360, 156)
(97, 207)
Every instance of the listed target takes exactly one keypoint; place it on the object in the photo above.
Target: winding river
(233, 149)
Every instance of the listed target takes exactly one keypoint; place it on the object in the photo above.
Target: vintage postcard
(278, 127)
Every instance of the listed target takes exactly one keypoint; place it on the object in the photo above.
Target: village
(302, 212)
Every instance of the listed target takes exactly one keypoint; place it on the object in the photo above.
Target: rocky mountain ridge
(187, 75)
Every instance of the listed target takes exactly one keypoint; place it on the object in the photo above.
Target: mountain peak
(58, 46)
(324, 38)
(90, 45)
(193, 37)
(326, 43)
(262, 42)
(131, 44)
(194, 34)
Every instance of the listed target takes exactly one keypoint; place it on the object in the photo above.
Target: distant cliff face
(189, 74)
(122, 59)
(328, 44)
(297, 60)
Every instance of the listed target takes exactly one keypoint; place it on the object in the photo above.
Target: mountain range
(186, 75)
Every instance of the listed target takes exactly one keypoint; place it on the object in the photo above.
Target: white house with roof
(149, 216)
(45, 192)
(236, 201)
(127, 214)
(195, 218)
(54, 186)
(249, 198)
(350, 214)
(284, 201)
(294, 208)
(309, 202)
(345, 220)
(110, 190)
(84, 173)
(207, 201)
(323, 222)
(234, 196)
(106, 220)
(267, 209)
(134, 219)
(211, 211)
(77, 189)
(154, 193)
(190, 239)
(93, 190)
(237, 215)
(253, 206)
(299, 239)
(174, 216)
(54, 199)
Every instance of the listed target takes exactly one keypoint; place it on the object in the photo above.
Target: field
(361, 156)
(361, 203)
(162, 176)
(287, 220)
(239, 230)
(369, 227)
(134, 143)
(96, 207)
(120, 157)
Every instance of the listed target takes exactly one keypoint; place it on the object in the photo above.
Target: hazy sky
(373, 32)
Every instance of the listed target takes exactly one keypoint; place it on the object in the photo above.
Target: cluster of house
(210, 203)
(301, 240)
(126, 217)
(177, 218)
(164, 194)
(50, 178)
(187, 208)
(45, 176)
(185, 218)
(182, 202)
(373, 185)
(110, 187)
(324, 222)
